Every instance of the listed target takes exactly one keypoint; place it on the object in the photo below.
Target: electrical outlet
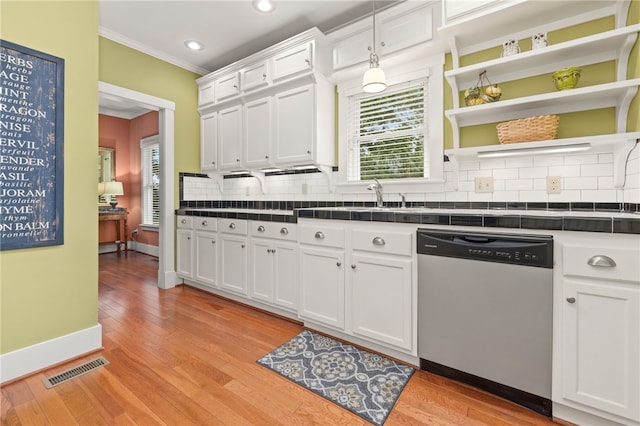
(484, 184)
(554, 185)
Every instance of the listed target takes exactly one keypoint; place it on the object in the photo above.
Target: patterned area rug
(364, 383)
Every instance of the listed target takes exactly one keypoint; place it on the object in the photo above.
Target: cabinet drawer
(281, 231)
(233, 226)
(185, 222)
(576, 259)
(205, 223)
(321, 235)
(292, 61)
(383, 241)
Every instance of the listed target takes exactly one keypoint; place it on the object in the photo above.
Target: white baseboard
(31, 359)
(145, 248)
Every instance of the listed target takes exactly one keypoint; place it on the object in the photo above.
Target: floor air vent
(74, 372)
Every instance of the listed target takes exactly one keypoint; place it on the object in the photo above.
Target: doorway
(167, 277)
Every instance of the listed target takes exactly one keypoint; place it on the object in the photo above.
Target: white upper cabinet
(230, 138)
(227, 86)
(272, 109)
(255, 76)
(398, 28)
(209, 142)
(257, 133)
(292, 61)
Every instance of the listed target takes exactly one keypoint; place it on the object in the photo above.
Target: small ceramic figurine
(538, 41)
(510, 47)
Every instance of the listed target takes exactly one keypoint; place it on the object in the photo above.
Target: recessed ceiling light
(263, 5)
(194, 45)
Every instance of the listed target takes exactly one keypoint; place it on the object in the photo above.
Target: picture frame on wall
(31, 148)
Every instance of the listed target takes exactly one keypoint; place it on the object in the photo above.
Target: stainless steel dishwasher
(485, 312)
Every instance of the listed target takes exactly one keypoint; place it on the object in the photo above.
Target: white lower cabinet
(369, 293)
(234, 255)
(600, 327)
(322, 285)
(206, 258)
(381, 289)
(184, 248)
(274, 264)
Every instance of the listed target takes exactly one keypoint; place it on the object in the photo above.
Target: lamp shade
(374, 80)
(100, 188)
(113, 188)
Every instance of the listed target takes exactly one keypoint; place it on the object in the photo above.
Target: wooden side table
(122, 232)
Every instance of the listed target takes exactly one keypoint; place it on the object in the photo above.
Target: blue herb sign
(31, 148)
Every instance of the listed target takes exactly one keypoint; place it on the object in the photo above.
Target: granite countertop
(559, 220)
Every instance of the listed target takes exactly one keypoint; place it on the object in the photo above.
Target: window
(395, 135)
(386, 133)
(150, 170)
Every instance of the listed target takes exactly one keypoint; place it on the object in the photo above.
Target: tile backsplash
(584, 178)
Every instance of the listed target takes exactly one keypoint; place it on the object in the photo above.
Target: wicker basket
(540, 128)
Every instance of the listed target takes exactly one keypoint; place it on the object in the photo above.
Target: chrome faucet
(378, 187)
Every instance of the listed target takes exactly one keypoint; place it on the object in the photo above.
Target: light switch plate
(484, 184)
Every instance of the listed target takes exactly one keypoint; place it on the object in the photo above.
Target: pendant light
(374, 80)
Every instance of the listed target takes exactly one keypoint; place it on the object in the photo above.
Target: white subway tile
(506, 196)
(491, 164)
(596, 170)
(518, 162)
(564, 171)
(602, 196)
(548, 160)
(519, 184)
(533, 196)
(532, 172)
(581, 159)
(505, 174)
(580, 183)
(469, 165)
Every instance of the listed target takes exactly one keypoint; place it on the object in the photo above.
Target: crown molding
(119, 38)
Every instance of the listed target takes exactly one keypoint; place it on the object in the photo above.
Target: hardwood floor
(183, 356)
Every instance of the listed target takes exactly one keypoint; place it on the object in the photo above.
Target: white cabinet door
(254, 76)
(382, 299)
(230, 137)
(206, 94)
(456, 9)
(285, 289)
(353, 49)
(261, 270)
(404, 30)
(233, 263)
(601, 346)
(206, 259)
(322, 286)
(209, 142)
(257, 129)
(292, 61)
(227, 86)
(184, 248)
(295, 125)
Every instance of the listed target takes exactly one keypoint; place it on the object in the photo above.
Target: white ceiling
(229, 29)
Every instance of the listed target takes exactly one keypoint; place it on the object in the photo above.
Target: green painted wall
(595, 122)
(129, 68)
(50, 292)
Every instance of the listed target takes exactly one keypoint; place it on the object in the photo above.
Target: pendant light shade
(374, 80)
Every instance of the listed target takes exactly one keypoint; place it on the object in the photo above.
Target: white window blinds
(386, 133)
(150, 169)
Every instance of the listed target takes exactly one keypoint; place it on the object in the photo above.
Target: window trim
(145, 142)
(433, 68)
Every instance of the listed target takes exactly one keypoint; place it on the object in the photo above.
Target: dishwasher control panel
(526, 250)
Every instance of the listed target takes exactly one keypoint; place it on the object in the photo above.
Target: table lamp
(113, 189)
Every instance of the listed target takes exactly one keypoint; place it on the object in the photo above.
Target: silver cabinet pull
(308, 61)
(188, 238)
(260, 228)
(264, 76)
(602, 261)
(273, 250)
(571, 299)
(232, 225)
(204, 223)
(183, 221)
(242, 245)
(320, 236)
(353, 266)
(213, 242)
(284, 231)
(338, 264)
(378, 241)
(268, 250)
